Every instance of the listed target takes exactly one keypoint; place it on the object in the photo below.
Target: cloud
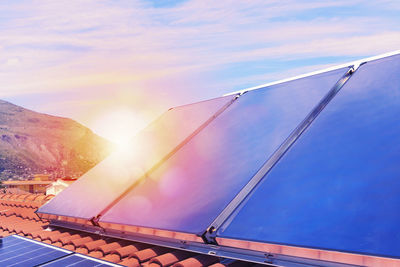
(172, 54)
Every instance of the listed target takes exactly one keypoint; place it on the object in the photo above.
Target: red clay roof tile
(147, 254)
(234, 264)
(96, 254)
(69, 247)
(171, 257)
(17, 216)
(107, 248)
(130, 262)
(65, 239)
(57, 244)
(56, 238)
(197, 261)
(94, 244)
(82, 250)
(80, 241)
(112, 258)
(130, 249)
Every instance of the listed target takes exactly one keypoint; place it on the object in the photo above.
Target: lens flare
(118, 125)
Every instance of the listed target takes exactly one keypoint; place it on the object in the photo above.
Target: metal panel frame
(352, 63)
(222, 251)
(275, 251)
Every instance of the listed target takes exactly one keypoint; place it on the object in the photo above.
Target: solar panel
(19, 251)
(188, 191)
(79, 260)
(110, 178)
(337, 187)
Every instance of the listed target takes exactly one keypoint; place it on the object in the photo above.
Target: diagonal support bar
(209, 236)
(96, 219)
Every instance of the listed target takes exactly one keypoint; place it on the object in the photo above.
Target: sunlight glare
(119, 125)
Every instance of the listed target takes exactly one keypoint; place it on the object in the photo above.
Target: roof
(69, 179)
(27, 182)
(17, 217)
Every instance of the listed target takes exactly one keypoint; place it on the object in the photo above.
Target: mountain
(32, 142)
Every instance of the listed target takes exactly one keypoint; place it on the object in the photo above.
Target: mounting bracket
(209, 236)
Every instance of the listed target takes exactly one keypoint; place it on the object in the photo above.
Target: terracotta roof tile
(56, 238)
(130, 262)
(17, 217)
(170, 258)
(65, 239)
(81, 241)
(82, 250)
(48, 197)
(112, 258)
(43, 235)
(107, 248)
(147, 254)
(40, 198)
(234, 264)
(96, 254)
(30, 197)
(69, 247)
(130, 249)
(197, 261)
(94, 244)
(57, 244)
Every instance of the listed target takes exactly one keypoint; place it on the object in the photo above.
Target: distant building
(41, 177)
(35, 187)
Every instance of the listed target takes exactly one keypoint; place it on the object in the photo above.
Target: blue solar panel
(19, 251)
(79, 260)
(188, 191)
(110, 178)
(338, 187)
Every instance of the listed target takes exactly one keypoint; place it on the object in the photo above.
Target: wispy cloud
(178, 52)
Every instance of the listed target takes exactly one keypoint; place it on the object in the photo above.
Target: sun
(118, 125)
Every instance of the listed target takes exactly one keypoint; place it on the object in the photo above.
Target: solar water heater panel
(337, 188)
(189, 190)
(100, 186)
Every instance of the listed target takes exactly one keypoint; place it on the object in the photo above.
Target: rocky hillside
(32, 142)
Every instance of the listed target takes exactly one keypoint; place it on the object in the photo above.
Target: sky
(114, 66)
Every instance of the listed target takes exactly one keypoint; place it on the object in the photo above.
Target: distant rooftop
(27, 182)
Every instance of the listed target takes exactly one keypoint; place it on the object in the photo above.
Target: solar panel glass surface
(337, 187)
(18, 251)
(91, 193)
(79, 260)
(188, 191)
